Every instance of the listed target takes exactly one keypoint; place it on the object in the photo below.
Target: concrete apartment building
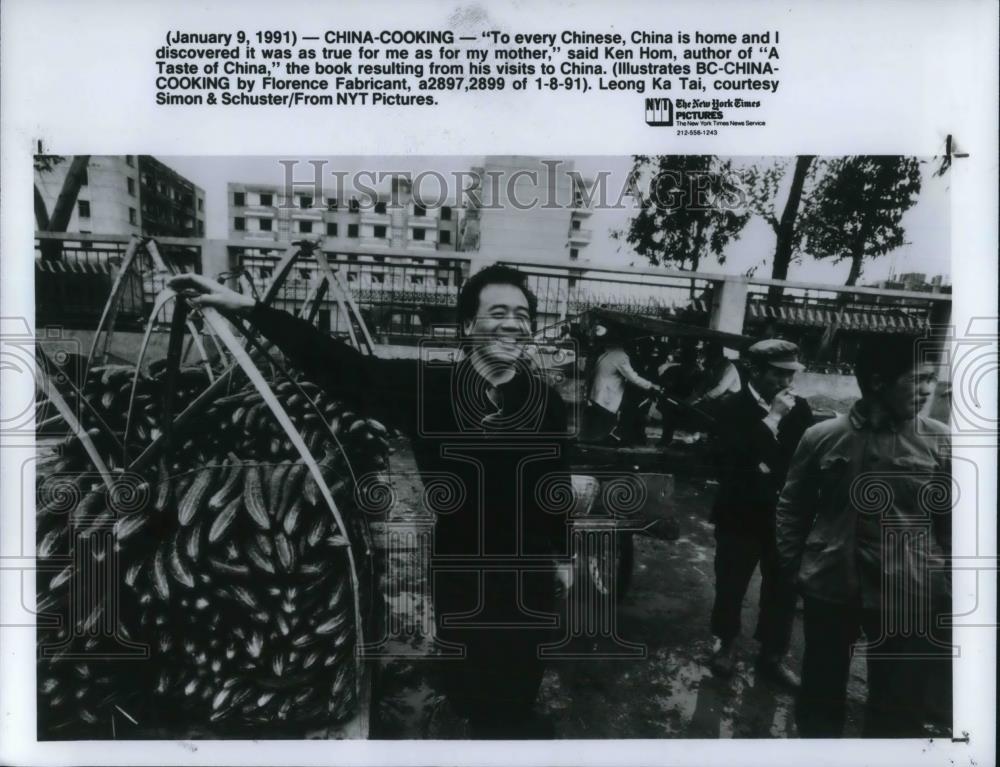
(392, 250)
(129, 194)
(261, 214)
(527, 208)
(121, 196)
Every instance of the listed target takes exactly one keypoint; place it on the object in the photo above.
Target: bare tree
(62, 212)
(763, 185)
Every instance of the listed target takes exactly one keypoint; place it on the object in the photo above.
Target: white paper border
(908, 74)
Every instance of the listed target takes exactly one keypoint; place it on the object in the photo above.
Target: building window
(419, 210)
(201, 228)
(446, 214)
(304, 273)
(201, 205)
(380, 208)
(305, 226)
(86, 244)
(305, 202)
(444, 237)
(130, 160)
(83, 208)
(267, 200)
(380, 232)
(84, 178)
(265, 272)
(419, 234)
(574, 253)
(331, 229)
(240, 224)
(352, 231)
(331, 203)
(130, 184)
(266, 224)
(576, 224)
(354, 206)
(239, 199)
(131, 215)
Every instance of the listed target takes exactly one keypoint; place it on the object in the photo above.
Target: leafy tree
(855, 212)
(693, 209)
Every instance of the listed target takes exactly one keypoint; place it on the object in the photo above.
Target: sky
(926, 224)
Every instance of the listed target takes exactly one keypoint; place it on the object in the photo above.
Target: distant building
(527, 208)
(392, 251)
(121, 195)
(129, 194)
(169, 204)
(915, 282)
(262, 213)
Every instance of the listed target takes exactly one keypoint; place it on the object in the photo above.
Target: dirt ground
(668, 693)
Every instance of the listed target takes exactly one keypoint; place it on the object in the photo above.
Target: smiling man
(492, 431)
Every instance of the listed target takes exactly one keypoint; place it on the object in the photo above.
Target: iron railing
(565, 291)
(75, 273)
(402, 297)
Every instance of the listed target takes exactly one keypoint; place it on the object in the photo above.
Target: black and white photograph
(566, 384)
(500, 447)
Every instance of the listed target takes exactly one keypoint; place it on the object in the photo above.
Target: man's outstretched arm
(383, 389)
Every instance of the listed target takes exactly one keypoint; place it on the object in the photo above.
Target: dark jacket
(752, 462)
(867, 508)
(495, 472)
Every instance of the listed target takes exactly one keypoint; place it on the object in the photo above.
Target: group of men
(786, 501)
(853, 515)
(626, 379)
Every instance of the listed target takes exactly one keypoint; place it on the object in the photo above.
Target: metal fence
(564, 292)
(75, 274)
(407, 296)
(401, 297)
(828, 322)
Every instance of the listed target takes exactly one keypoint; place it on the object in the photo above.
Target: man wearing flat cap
(759, 428)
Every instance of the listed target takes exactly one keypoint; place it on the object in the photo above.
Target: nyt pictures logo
(659, 111)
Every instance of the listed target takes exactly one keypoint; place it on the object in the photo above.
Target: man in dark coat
(492, 431)
(759, 428)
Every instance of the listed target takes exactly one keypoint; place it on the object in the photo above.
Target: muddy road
(666, 692)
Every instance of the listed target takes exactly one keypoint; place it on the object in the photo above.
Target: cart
(629, 488)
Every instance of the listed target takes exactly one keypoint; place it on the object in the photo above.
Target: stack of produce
(228, 562)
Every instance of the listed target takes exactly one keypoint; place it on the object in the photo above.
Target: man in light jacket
(612, 373)
(863, 522)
